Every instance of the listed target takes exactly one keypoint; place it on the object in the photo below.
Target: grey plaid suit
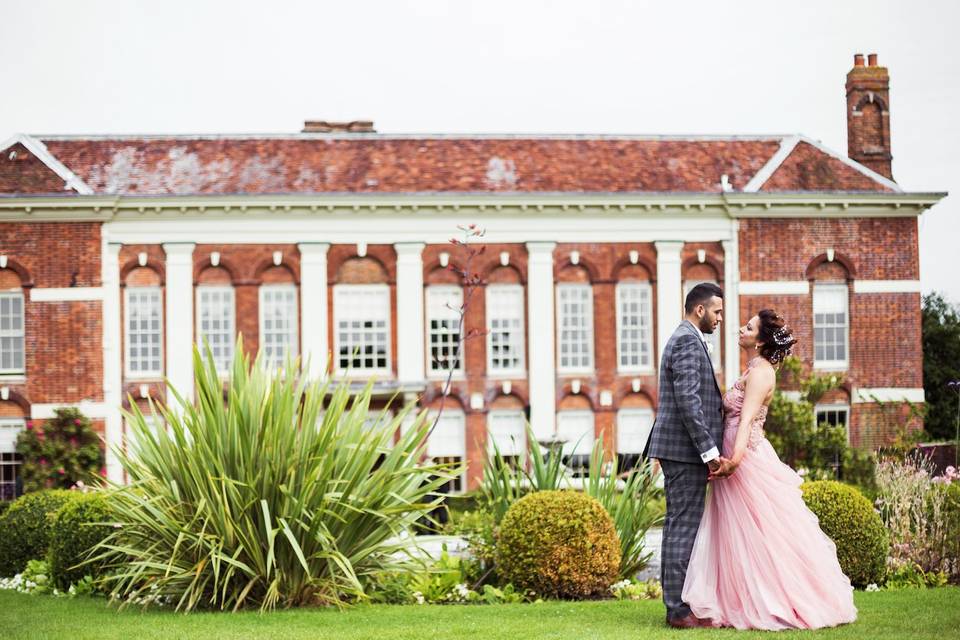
(689, 423)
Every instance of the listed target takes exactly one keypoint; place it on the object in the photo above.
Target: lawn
(931, 614)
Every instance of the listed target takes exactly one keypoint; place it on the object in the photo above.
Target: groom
(685, 439)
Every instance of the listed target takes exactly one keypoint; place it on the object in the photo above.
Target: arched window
(143, 323)
(11, 323)
(574, 321)
(361, 318)
(216, 315)
(576, 428)
(831, 319)
(279, 317)
(634, 321)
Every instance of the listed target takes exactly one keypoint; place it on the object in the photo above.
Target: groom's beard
(706, 327)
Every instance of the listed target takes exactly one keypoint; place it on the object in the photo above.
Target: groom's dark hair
(700, 294)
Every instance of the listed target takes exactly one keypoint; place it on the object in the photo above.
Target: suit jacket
(690, 407)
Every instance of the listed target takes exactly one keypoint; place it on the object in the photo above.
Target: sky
(493, 66)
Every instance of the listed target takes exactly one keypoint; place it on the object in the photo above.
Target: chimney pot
(858, 59)
(872, 60)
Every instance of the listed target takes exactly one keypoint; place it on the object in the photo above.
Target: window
(278, 323)
(11, 332)
(448, 445)
(443, 328)
(830, 326)
(10, 460)
(634, 323)
(576, 427)
(216, 322)
(507, 430)
(633, 431)
(713, 339)
(834, 415)
(144, 331)
(575, 327)
(505, 341)
(362, 321)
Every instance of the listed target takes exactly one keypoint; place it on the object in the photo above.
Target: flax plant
(258, 497)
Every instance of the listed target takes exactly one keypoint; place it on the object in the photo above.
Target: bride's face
(749, 332)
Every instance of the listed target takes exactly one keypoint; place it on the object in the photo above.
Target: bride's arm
(757, 387)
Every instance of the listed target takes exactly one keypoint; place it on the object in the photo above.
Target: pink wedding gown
(760, 560)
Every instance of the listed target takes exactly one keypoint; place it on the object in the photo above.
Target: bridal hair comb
(783, 340)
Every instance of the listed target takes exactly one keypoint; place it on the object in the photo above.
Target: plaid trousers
(685, 486)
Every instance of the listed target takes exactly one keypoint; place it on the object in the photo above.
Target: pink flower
(29, 424)
(61, 471)
(103, 472)
(77, 421)
(73, 442)
(43, 462)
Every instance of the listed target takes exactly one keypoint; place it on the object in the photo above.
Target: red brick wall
(22, 172)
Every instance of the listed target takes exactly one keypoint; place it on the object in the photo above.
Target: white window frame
(437, 297)
(627, 412)
(339, 292)
(577, 444)
(518, 445)
(715, 338)
(518, 342)
(578, 288)
(142, 374)
(224, 363)
(446, 452)
(16, 335)
(8, 453)
(843, 292)
(833, 406)
(293, 333)
(645, 340)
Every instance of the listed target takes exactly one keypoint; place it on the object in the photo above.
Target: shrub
(849, 519)
(558, 544)
(76, 529)
(59, 452)
(25, 528)
(261, 502)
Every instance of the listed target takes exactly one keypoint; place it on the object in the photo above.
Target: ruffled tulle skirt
(760, 560)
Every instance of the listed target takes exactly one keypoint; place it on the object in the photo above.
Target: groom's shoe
(688, 621)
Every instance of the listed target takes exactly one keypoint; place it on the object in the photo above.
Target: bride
(760, 560)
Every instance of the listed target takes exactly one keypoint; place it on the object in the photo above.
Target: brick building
(118, 252)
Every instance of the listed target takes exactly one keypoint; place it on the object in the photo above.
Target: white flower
(872, 587)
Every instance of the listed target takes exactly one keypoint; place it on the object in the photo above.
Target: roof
(383, 163)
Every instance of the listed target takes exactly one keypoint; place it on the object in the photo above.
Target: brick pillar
(178, 321)
(669, 292)
(541, 365)
(313, 306)
(410, 329)
(112, 359)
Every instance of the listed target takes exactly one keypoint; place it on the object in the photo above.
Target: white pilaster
(731, 307)
(410, 332)
(541, 364)
(313, 306)
(178, 319)
(669, 291)
(112, 358)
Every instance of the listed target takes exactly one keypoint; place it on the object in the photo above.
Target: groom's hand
(721, 468)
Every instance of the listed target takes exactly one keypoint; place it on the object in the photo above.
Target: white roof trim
(870, 173)
(40, 150)
(787, 145)
(412, 136)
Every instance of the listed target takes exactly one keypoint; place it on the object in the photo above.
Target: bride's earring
(756, 347)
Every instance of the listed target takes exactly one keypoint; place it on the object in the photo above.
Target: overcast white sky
(515, 66)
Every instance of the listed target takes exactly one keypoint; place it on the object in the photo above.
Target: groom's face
(712, 314)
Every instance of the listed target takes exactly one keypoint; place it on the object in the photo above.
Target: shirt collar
(699, 333)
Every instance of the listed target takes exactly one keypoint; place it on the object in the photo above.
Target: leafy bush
(25, 528)
(59, 452)
(625, 494)
(260, 502)
(76, 530)
(34, 579)
(848, 518)
(629, 589)
(922, 515)
(909, 575)
(558, 544)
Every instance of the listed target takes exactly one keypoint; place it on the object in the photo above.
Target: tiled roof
(378, 163)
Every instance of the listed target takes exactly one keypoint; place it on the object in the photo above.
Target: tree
(941, 364)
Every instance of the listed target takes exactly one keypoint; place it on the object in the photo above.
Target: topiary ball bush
(849, 519)
(76, 529)
(560, 544)
(25, 528)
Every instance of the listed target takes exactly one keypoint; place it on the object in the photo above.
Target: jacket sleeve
(686, 390)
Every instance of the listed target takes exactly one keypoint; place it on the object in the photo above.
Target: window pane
(278, 323)
(144, 325)
(830, 327)
(505, 341)
(362, 322)
(216, 320)
(575, 324)
(443, 322)
(634, 325)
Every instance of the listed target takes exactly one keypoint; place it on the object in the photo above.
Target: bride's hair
(776, 336)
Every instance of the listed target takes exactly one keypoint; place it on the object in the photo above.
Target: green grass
(934, 613)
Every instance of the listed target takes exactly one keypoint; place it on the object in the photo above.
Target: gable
(23, 172)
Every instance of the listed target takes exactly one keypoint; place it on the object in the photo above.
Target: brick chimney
(325, 126)
(868, 115)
